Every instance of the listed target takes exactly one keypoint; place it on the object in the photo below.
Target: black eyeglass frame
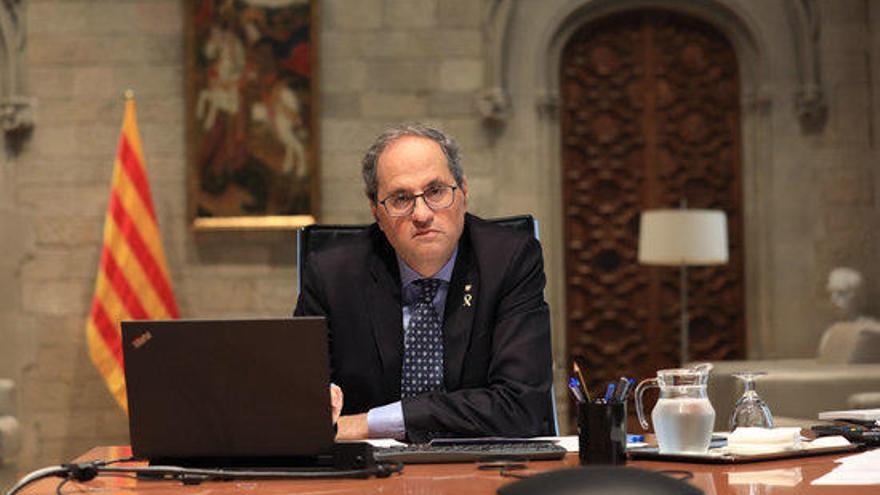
(415, 198)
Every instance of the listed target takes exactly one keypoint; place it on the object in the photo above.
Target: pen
(609, 392)
(627, 386)
(620, 389)
(580, 376)
(575, 387)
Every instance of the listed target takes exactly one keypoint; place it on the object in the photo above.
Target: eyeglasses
(436, 197)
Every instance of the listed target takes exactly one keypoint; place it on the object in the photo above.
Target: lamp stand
(683, 352)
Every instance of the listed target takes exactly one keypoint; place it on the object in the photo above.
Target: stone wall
(80, 56)
(382, 61)
(386, 61)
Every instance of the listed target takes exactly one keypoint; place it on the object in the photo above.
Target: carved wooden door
(650, 117)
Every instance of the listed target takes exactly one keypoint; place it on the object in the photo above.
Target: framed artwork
(252, 113)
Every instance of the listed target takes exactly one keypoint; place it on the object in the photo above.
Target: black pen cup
(602, 433)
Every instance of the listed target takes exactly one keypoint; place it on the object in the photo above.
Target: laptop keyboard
(470, 452)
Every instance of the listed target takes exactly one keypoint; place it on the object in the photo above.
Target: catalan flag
(133, 281)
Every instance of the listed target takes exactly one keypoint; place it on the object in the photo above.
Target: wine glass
(750, 410)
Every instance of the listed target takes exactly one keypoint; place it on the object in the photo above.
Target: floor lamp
(682, 238)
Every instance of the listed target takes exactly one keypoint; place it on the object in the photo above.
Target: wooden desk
(441, 479)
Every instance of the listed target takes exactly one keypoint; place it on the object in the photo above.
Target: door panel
(650, 118)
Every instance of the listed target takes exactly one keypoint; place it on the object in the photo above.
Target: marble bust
(845, 287)
(855, 338)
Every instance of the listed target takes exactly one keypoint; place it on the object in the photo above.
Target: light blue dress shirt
(387, 421)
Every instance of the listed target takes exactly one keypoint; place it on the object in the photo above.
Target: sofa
(845, 374)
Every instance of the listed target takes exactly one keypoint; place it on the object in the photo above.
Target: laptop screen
(230, 388)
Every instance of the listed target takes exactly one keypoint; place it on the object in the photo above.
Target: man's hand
(353, 427)
(335, 402)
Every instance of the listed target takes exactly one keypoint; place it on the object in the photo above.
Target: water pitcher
(683, 416)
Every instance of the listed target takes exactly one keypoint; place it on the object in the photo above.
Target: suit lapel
(386, 317)
(461, 305)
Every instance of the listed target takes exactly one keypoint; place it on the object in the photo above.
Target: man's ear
(464, 189)
(374, 210)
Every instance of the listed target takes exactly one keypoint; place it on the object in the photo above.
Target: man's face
(426, 238)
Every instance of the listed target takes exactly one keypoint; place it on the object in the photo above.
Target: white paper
(859, 469)
(384, 442)
(860, 414)
(571, 444)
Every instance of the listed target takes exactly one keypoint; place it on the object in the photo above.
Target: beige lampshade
(683, 237)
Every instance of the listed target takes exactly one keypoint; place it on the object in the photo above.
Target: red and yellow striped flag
(133, 281)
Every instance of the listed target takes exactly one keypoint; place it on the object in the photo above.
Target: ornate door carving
(650, 116)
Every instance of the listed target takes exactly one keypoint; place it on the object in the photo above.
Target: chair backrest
(313, 238)
(316, 237)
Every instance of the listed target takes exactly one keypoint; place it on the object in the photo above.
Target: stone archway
(533, 131)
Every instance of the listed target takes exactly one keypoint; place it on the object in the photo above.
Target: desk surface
(437, 479)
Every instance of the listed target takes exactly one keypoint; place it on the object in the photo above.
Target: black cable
(382, 470)
(60, 485)
(507, 472)
(116, 461)
(100, 475)
(505, 468)
(37, 475)
(89, 470)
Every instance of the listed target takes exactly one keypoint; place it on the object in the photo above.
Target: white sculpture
(845, 288)
(855, 338)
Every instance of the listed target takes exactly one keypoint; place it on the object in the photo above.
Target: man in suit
(437, 319)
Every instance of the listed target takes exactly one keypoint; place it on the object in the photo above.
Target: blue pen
(609, 392)
(575, 387)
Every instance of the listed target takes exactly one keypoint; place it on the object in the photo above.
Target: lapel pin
(467, 299)
(467, 288)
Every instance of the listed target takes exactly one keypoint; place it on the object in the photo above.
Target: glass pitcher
(683, 416)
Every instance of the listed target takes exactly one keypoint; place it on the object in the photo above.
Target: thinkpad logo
(141, 340)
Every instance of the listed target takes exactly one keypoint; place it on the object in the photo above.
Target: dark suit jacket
(497, 364)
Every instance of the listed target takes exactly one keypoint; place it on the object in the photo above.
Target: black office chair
(314, 238)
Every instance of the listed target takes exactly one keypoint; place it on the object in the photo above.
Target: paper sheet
(859, 469)
(570, 442)
(384, 442)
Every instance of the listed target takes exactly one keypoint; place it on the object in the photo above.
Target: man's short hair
(371, 159)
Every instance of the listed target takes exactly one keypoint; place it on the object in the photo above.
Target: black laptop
(230, 392)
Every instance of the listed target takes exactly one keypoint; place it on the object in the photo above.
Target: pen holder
(602, 433)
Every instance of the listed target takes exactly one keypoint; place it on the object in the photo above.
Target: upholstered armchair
(845, 374)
